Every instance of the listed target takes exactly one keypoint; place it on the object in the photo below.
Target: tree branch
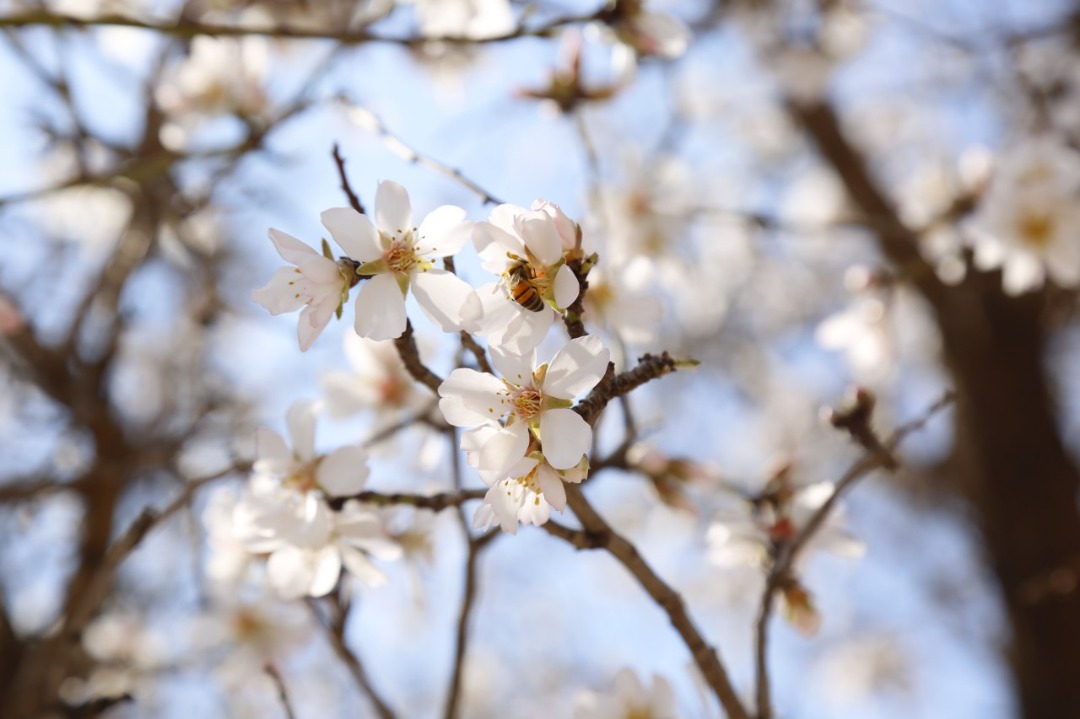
(598, 534)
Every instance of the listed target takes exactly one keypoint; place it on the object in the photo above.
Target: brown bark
(1011, 464)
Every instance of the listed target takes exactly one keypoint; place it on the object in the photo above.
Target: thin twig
(334, 628)
(468, 599)
(598, 534)
(434, 502)
(613, 385)
(370, 121)
(354, 200)
(283, 695)
(410, 357)
(878, 455)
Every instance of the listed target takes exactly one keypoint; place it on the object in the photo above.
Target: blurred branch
(879, 455)
(334, 627)
(598, 534)
(283, 695)
(461, 637)
(354, 201)
(476, 546)
(186, 29)
(368, 120)
(434, 502)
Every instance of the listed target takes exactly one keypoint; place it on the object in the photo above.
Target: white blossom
(531, 488)
(628, 699)
(285, 512)
(531, 403)
(473, 19)
(317, 283)
(1027, 222)
(528, 246)
(396, 256)
(378, 382)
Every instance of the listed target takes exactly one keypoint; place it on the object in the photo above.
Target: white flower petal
(566, 287)
(441, 296)
(354, 233)
(576, 368)
(289, 572)
(518, 369)
(271, 450)
(473, 439)
(524, 331)
(325, 570)
(282, 293)
(565, 437)
(362, 568)
(291, 249)
(300, 419)
(534, 509)
(541, 236)
(443, 232)
(502, 452)
(343, 472)
(505, 500)
(393, 213)
(552, 487)
(308, 331)
(380, 308)
(484, 518)
(471, 398)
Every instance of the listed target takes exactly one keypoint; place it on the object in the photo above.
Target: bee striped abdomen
(526, 295)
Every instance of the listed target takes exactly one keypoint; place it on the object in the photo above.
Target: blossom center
(527, 402)
(1036, 229)
(302, 478)
(528, 483)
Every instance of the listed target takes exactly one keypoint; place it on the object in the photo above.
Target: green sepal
(374, 267)
(327, 253)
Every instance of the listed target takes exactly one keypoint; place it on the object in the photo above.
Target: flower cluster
(523, 436)
(286, 515)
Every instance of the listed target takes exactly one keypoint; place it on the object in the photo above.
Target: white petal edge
(354, 233)
(565, 437)
(380, 308)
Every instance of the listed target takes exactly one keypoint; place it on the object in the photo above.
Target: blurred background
(803, 195)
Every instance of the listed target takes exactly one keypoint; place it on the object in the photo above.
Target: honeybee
(523, 288)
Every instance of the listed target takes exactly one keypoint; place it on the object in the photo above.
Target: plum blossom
(629, 699)
(308, 550)
(531, 403)
(285, 512)
(1027, 221)
(378, 382)
(621, 299)
(530, 246)
(219, 76)
(317, 283)
(528, 491)
(396, 256)
(473, 19)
